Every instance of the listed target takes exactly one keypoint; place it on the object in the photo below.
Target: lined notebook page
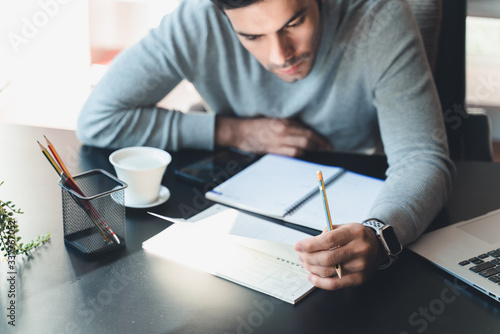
(350, 199)
(272, 185)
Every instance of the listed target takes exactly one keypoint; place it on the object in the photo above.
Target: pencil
(73, 186)
(59, 166)
(322, 190)
(59, 160)
(60, 172)
(63, 172)
(49, 158)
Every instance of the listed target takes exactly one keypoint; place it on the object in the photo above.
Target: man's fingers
(321, 270)
(323, 263)
(327, 240)
(268, 135)
(334, 283)
(304, 138)
(298, 135)
(357, 256)
(286, 150)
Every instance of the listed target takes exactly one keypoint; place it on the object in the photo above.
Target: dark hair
(233, 4)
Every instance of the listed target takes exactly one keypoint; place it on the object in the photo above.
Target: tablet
(215, 169)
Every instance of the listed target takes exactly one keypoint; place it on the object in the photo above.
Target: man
(285, 76)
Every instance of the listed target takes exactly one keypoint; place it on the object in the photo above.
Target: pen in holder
(94, 223)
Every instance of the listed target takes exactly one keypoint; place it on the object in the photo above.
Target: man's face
(283, 35)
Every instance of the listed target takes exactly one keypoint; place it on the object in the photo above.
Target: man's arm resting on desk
(267, 135)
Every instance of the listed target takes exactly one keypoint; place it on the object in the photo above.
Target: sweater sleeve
(121, 110)
(420, 174)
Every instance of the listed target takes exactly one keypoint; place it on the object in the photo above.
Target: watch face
(391, 240)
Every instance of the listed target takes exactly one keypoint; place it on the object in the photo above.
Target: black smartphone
(216, 169)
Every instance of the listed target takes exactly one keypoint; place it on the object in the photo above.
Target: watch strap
(374, 224)
(377, 225)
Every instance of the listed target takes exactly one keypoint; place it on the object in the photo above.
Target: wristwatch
(387, 239)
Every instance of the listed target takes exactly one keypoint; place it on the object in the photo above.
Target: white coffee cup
(142, 169)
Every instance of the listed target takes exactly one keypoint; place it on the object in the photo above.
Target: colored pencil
(322, 190)
(59, 160)
(73, 186)
(60, 172)
(49, 158)
(106, 231)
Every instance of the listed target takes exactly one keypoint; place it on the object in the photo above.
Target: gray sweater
(371, 90)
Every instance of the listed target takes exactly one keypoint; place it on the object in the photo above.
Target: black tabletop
(131, 291)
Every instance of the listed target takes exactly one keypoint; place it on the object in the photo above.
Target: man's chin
(301, 72)
(291, 78)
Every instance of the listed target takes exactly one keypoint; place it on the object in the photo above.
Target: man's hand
(358, 254)
(267, 135)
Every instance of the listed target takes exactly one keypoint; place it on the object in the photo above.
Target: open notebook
(239, 247)
(287, 188)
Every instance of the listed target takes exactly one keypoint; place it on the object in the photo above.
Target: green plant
(10, 244)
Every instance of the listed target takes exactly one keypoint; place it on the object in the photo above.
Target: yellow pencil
(47, 155)
(59, 160)
(322, 190)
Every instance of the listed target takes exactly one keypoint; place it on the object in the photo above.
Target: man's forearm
(224, 131)
(267, 135)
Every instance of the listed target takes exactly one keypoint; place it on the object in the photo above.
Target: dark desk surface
(130, 291)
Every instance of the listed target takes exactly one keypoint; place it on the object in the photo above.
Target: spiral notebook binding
(314, 192)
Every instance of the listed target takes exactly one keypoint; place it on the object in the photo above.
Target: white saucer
(163, 196)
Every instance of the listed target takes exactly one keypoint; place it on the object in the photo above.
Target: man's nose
(281, 49)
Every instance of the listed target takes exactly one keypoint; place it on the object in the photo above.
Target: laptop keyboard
(486, 265)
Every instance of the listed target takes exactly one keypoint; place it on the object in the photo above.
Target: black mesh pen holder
(94, 212)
